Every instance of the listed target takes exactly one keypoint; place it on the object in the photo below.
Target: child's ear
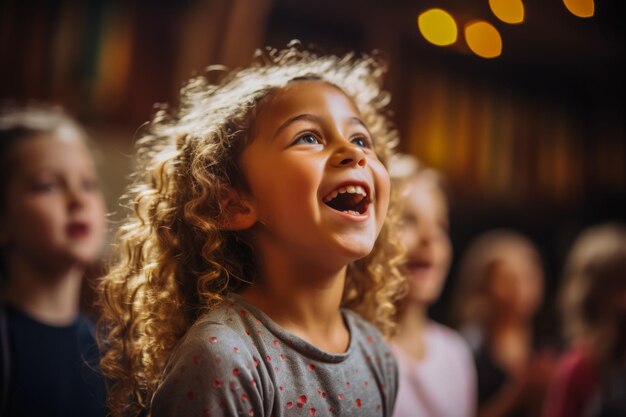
(238, 211)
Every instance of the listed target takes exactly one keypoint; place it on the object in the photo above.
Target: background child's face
(425, 237)
(319, 190)
(515, 282)
(55, 212)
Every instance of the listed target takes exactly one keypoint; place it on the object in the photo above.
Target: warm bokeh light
(483, 39)
(438, 27)
(580, 8)
(509, 11)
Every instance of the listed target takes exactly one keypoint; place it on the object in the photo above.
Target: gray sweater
(235, 361)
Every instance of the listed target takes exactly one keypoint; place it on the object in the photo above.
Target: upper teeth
(352, 189)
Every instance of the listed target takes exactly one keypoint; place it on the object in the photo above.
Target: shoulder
(448, 348)
(85, 327)
(86, 339)
(447, 336)
(575, 365)
(447, 340)
(214, 342)
(215, 368)
(572, 386)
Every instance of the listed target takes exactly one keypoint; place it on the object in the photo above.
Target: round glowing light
(509, 11)
(437, 27)
(483, 39)
(580, 8)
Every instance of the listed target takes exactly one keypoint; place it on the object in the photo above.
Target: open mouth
(351, 199)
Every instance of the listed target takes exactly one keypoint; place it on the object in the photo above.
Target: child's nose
(75, 197)
(349, 156)
(426, 234)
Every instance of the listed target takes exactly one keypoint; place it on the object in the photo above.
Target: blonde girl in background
(590, 377)
(437, 375)
(52, 228)
(257, 272)
(498, 292)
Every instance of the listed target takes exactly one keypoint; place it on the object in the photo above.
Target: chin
(361, 249)
(85, 258)
(423, 299)
(425, 291)
(354, 246)
(351, 254)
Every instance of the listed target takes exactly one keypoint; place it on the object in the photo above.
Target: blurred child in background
(437, 375)
(498, 291)
(52, 227)
(590, 379)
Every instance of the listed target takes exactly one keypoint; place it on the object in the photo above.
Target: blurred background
(523, 113)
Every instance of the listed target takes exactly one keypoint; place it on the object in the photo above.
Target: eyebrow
(316, 119)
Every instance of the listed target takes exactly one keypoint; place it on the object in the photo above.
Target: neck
(410, 331)
(303, 299)
(413, 319)
(510, 340)
(50, 296)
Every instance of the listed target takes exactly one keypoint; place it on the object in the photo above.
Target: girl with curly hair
(258, 252)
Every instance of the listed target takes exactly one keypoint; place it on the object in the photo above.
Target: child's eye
(307, 139)
(362, 142)
(44, 186)
(91, 185)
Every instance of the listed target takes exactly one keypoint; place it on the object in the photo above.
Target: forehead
(518, 254)
(43, 151)
(418, 183)
(308, 97)
(423, 189)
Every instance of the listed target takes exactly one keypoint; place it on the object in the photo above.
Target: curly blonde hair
(172, 260)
